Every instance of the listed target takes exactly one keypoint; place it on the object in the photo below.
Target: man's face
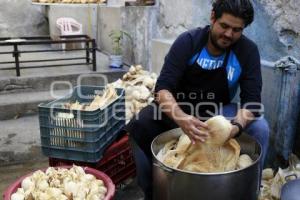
(226, 30)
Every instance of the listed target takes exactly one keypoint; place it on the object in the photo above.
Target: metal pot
(174, 184)
(291, 190)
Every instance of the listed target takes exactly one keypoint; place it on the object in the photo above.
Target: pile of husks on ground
(272, 182)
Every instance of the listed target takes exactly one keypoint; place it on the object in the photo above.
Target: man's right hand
(193, 127)
(189, 124)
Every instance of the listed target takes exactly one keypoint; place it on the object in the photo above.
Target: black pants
(143, 128)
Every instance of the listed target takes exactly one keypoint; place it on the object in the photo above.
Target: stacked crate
(81, 137)
(117, 161)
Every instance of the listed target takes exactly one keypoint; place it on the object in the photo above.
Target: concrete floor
(21, 155)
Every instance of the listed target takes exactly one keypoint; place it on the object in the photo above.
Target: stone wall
(276, 28)
(285, 16)
(21, 18)
(177, 16)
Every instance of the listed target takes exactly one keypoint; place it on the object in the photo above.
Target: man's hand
(190, 125)
(234, 131)
(243, 117)
(194, 128)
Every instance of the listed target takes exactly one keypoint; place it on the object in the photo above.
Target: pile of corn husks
(139, 92)
(218, 153)
(139, 86)
(99, 101)
(62, 184)
(272, 184)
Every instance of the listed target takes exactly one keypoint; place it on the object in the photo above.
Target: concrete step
(58, 81)
(20, 95)
(15, 105)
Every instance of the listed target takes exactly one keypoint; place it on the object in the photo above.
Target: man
(200, 76)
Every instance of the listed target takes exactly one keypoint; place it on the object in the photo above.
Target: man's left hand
(234, 131)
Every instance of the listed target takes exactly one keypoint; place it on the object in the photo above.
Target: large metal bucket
(174, 184)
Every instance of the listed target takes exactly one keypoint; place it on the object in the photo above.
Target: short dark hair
(238, 8)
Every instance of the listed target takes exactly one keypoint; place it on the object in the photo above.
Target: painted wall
(21, 18)
(140, 22)
(84, 14)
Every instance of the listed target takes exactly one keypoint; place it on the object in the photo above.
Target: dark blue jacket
(181, 76)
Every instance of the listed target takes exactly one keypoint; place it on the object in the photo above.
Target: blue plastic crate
(79, 154)
(77, 140)
(80, 135)
(49, 113)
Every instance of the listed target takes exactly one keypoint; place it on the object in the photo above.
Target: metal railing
(15, 43)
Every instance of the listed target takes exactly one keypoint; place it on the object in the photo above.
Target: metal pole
(16, 55)
(87, 46)
(94, 55)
